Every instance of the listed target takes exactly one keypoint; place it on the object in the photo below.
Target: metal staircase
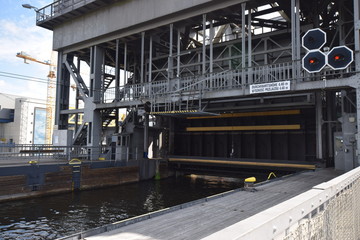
(80, 135)
(108, 116)
(83, 89)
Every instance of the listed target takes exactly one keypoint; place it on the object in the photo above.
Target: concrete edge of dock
(129, 221)
(136, 219)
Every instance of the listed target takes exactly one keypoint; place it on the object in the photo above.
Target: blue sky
(18, 32)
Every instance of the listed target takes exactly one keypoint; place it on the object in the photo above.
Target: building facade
(22, 120)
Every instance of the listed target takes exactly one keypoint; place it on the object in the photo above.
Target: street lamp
(29, 6)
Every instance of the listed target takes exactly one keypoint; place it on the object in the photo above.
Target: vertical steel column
(265, 51)
(340, 27)
(319, 119)
(146, 134)
(59, 82)
(357, 37)
(211, 46)
(230, 54)
(117, 71)
(357, 67)
(77, 99)
(125, 63)
(178, 54)
(293, 37)
(150, 58)
(204, 45)
(117, 83)
(249, 47)
(358, 123)
(142, 57)
(170, 58)
(243, 45)
(199, 65)
(298, 40)
(96, 73)
(62, 91)
(91, 114)
(330, 103)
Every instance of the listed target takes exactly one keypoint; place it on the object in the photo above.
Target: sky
(18, 32)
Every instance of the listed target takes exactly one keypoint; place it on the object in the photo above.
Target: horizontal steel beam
(244, 163)
(244, 128)
(251, 114)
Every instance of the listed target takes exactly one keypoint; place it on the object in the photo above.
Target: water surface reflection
(60, 215)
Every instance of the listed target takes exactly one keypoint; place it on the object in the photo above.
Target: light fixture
(29, 6)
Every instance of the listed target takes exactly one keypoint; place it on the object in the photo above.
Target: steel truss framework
(189, 64)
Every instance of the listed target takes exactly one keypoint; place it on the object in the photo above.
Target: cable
(25, 79)
(22, 75)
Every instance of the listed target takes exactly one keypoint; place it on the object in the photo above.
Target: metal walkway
(209, 216)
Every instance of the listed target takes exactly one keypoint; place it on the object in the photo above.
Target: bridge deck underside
(201, 220)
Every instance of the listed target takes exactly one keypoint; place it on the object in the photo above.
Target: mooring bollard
(249, 183)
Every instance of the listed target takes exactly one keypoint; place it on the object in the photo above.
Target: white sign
(270, 87)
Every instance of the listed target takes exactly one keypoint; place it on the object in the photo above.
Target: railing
(57, 8)
(14, 154)
(231, 79)
(328, 211)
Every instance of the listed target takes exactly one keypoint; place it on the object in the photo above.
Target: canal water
(61, 215)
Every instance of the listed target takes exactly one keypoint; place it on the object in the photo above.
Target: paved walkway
(11, 162)
(201, 220)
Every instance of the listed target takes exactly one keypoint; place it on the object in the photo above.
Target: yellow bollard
(249, 182)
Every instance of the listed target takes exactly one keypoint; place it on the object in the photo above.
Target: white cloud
(26, 89)
(23, 35)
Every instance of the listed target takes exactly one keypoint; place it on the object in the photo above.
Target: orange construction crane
(51, 90)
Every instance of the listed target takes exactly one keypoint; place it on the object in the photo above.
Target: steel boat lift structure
(205, 79)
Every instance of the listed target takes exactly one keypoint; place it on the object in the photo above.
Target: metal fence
(57, 8)
(328, 211)
(226, 80)
(15, 154)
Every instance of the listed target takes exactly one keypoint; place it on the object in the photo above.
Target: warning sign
(270, 87)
